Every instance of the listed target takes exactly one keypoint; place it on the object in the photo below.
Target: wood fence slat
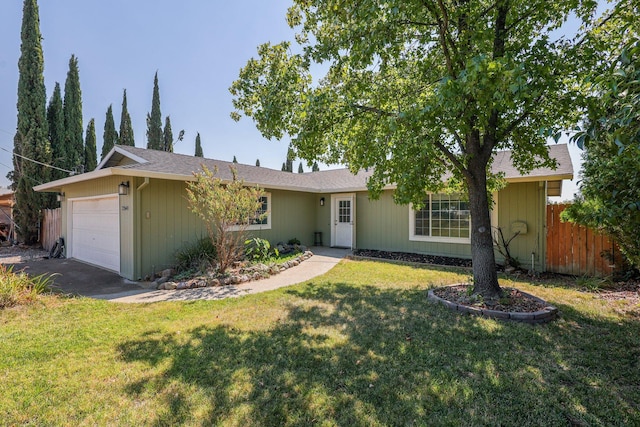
(51, 228)
(574, 249)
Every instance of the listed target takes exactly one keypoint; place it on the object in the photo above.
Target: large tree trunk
(485, 277)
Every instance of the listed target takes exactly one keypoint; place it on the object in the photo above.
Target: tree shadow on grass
(353, 355)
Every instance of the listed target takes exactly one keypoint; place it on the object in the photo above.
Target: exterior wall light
(60, 197)
(123, 188)
(321, 201)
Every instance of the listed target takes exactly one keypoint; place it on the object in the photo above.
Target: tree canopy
(610, 181)
(72, 109)
(90, 149)
(31, 141)
(126, 129)
(109, 135)
(198, 152)
(155, 137)
(419, 91)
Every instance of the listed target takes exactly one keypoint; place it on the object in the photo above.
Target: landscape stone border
(256, 272)
(401, 262)
(545, 315)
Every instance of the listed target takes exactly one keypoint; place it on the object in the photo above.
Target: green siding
(167, 225)
(525, 202)
(105, 186)
(382, 224)
(293, 215)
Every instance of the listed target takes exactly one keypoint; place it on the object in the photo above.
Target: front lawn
(358, 346)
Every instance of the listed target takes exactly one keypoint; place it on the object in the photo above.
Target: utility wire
(37, 162)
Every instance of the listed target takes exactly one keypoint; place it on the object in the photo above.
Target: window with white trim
(260, 222)
(443, 218)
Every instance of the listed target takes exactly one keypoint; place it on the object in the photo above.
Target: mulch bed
(411, 257)
(512, 301)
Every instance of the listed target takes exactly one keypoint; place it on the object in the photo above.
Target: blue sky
(197, 47)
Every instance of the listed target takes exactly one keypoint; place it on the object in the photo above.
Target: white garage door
(95, 236)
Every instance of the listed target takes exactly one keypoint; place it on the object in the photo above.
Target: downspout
(138, 267)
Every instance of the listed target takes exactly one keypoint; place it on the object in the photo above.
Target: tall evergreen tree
(109, 136)
(31, 140)
(55, 119)
(235, 160)
(74, 144)
(199, 152)
(167, 135)
(284, 167)
(155, 138)
(290, 157)
(315, 167)
(258, 162)
(126, 129)
(300, 168)
(90, 149)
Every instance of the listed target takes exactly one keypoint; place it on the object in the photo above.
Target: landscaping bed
(413, 257)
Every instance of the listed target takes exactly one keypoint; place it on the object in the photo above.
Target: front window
(260, 222)
(444, 218)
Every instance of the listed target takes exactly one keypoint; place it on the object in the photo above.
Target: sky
(196, 46)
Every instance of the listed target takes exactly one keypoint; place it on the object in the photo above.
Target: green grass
(358, 346)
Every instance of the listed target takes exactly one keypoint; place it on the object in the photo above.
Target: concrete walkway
(323, 260)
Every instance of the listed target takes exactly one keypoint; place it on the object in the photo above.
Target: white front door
(343, 219)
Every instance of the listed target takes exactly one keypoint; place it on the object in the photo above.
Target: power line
(37, 162)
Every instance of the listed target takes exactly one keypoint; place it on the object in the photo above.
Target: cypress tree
(199, 152)
(284, 167)
(300, 169)
(235, 160)
(32, 134)
(168, 136)
(90, 149)
(258, 162)
(315, 167)
(155, 138)
(126, 129)
(72, 109)
(55, 119)
(290, 156)
(109, 136)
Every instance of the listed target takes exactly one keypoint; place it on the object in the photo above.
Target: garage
(95, 231)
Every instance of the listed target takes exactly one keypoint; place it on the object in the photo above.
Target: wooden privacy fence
(575, 249)
(51, 227)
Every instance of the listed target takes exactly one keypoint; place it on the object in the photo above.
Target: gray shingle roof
(127, 160)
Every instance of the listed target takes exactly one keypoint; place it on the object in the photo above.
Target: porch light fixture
(60, 197)
(123, 188)
(321, 201)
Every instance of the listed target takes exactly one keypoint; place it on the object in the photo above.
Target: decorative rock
(274, 269)
(170, 286)
(182, 285)
(167, 273)
(214, 282)
(295, 262)
(159, 287)
(162, 279)
(234, 280)
(256, 276)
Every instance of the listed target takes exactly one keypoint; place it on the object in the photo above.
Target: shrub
(294, 241)
(259, 250)
(19, 288)
(199, 255)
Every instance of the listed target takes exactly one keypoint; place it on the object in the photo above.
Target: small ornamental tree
(227, 209)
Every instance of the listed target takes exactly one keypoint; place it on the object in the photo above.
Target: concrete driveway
(75, 277)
